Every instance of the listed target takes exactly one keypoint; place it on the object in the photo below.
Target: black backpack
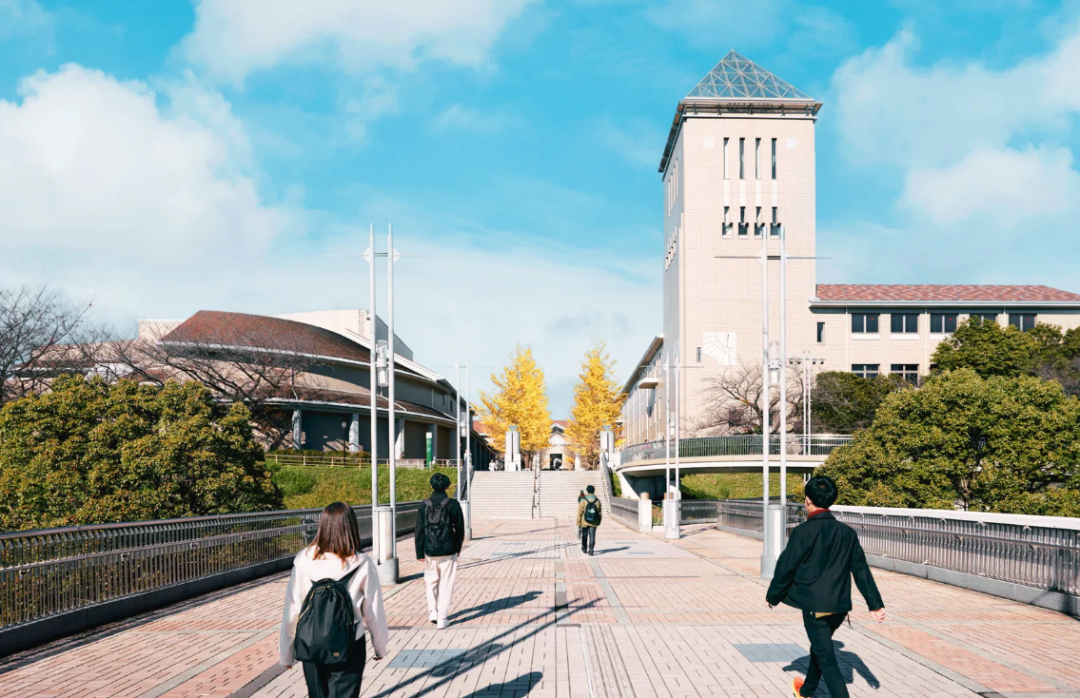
(592, 511)
(327, 626)
(437, 538)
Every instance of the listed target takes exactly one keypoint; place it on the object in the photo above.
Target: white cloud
(1012, 187)
(702, 20)
(637, 141)
(459, 117)
(377, 100)
(233, 38)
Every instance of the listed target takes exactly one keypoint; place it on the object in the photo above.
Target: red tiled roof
(243, 330)
(930, 292)
(561, 422)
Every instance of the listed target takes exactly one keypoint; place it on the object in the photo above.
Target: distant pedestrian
(814, 575)
(589, 514)
(335, 589)
(580, 499)
(440, 532)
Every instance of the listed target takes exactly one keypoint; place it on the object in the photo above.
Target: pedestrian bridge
(533, 617)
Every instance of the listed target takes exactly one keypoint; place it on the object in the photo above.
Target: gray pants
(588, 539)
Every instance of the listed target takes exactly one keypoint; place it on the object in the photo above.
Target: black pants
(337, 680)
(588, 539)
(823, 655)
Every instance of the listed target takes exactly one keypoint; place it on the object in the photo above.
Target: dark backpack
(592, 511)
(437, 535)
(327, 626)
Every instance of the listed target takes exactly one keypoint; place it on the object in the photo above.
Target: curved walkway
(533, 617)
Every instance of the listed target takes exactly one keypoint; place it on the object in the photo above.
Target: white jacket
(363, 587)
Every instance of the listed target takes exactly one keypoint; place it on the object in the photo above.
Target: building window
(982, 317)
(725, 158)
(774, 227)
(699, 354)
(742, 158)
(865, 370)
(757, 158)
(759, 227)
(1022, 321)
(909, 372)
(726, 229)
(905, 323)
(864, 323)
(744, 227)
(943, 323)
(820, 332)
(774, 158)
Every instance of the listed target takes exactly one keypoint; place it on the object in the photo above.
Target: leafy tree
(991, 350)
(1001, 443)
(598, 399)
(520, 399)
(843, 402)
(90, 452)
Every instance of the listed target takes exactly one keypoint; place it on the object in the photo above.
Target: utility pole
(468, 449)
(767, 560)
(374, 384)
(390, 255)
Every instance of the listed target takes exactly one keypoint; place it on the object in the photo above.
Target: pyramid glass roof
(738, 77)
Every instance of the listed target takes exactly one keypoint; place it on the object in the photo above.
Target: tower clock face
(721, 347)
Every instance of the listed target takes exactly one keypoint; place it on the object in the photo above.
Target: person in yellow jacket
(589, 515)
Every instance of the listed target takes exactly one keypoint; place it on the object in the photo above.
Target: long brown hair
(339, 532)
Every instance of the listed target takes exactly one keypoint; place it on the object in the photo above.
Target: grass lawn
(738, 486)
(310, 487)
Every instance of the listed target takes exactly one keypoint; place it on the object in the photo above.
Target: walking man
(440, 531)
(589, 515)
(814, 575)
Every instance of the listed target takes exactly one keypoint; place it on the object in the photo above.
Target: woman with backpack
(333, 595)
(580, 499)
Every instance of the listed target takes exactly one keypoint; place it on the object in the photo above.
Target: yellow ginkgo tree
(598, 401)
(519, 398)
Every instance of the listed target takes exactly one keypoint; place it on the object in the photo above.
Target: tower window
(774, 227)
(699, 354)
(757, 158)
(743, 225)
(905, 323)
(742, 158)
(774, 158)
(864, 323)
(821, 333)
(726, 229)
(943, 323)
(725, 158)
(759, 227)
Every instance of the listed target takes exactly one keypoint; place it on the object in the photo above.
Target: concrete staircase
(559, 491)
(502, 495)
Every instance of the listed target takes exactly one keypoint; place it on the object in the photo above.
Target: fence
(740, 445)
(348, 460)
(50, 572)
(1003, 547)
(626, 511)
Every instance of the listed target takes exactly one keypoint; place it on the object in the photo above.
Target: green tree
(89, 452)
(1001, 443)
(843, 403)
(991, 350)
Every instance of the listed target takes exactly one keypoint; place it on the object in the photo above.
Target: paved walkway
(533, 617)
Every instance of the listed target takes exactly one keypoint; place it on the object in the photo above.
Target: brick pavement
(643, 618)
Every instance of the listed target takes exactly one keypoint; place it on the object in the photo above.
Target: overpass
(641, 467)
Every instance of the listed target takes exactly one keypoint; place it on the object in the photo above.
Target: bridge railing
(626, 511)
(50, 572)
(738, 445)
(1038, 552)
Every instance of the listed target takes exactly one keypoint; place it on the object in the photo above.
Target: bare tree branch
(732, 403)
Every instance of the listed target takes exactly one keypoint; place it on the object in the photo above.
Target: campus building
(738, 170)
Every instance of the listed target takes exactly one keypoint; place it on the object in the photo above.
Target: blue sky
(164, 157)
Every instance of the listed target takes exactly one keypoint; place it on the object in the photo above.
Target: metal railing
(739, 445)
(695, 511)
(626, 511)
(1036, 556)
(48, 572)
(348, 460)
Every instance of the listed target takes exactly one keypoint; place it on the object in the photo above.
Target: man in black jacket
(814, 575)
(440, 532)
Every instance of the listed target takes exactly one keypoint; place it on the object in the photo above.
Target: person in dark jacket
(440, 532)
(588, 529)
(814, 575)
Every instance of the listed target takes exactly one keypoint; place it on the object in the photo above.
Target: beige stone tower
(739, 164)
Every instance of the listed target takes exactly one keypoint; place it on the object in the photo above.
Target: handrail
(736, 445)
(53, 571)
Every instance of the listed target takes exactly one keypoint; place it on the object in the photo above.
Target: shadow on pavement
(850, 663)
(495, 606)
(521, 686)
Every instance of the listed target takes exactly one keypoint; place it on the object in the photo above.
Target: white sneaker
(442, 624)
(433, 619)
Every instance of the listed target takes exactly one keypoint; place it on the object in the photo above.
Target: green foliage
(310, 487)
(991, 350)
(843, 403)
(737, 486)
(88, 452)
(1009, 444)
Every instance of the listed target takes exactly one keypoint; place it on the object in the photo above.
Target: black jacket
(457, 523)
(814, 571)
